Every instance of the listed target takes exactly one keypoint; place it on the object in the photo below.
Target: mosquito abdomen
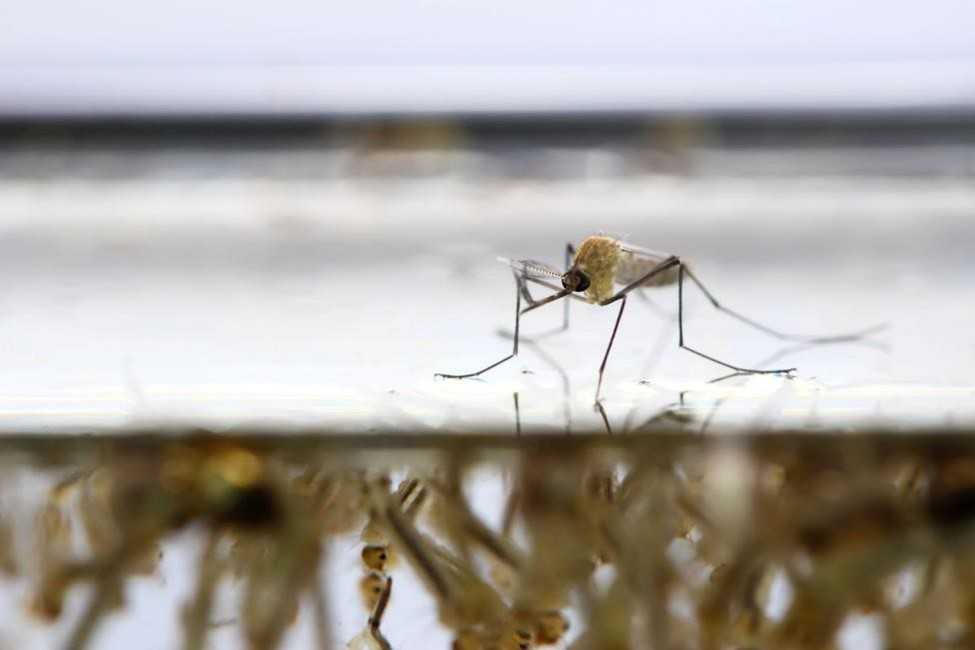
(632, 267)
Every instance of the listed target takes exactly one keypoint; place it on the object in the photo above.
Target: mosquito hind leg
(836, 338)
(680, 334)
(519, 287)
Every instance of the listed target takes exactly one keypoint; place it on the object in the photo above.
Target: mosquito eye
(575, 280)
(583, 282)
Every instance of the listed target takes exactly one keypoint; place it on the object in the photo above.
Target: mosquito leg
(612, 337)
(523, 288)
(519, 283)
(517, 414)
(570, 252)
(602, 414)
(837, 338)
(668, 263)
(532, 304)
(680, 336)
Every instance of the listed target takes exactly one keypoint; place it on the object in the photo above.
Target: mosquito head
(575, 280)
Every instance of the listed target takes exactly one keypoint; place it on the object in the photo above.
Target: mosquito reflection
(550, 361)
(776, 357)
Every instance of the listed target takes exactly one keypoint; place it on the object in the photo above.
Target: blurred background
(233, 213)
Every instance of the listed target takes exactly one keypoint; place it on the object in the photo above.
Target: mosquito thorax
(575, 280)
(598, 258)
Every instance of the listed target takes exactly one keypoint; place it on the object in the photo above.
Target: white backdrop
(115, 56)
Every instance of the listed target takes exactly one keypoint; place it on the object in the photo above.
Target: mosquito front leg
(570, 252)
(519, 286)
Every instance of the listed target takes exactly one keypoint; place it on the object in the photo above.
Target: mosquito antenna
(528, 266)
(531, 266)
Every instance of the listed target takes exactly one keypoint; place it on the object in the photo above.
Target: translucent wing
(644, 253)
(636, 262)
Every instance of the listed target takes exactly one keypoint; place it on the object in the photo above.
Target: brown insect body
(608, 262)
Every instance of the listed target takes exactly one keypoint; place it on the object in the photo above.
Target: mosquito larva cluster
(646, 541)
(376, 584)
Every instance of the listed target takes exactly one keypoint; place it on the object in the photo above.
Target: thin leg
(532, 303)
(668, 263)
(523, 288)
(838, 338)
(680, 336)
(514, 351)
(549, 285)
(602, 414)
(517, 415)
(612, 337)
(570, 252)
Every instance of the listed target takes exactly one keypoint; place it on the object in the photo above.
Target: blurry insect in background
(604, 271)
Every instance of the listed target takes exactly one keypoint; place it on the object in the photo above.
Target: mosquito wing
(654, 257)
(636, 261)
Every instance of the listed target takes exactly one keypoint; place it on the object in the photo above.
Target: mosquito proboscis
(603, 271)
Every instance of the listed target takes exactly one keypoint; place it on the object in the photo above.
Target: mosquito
(603, 271)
